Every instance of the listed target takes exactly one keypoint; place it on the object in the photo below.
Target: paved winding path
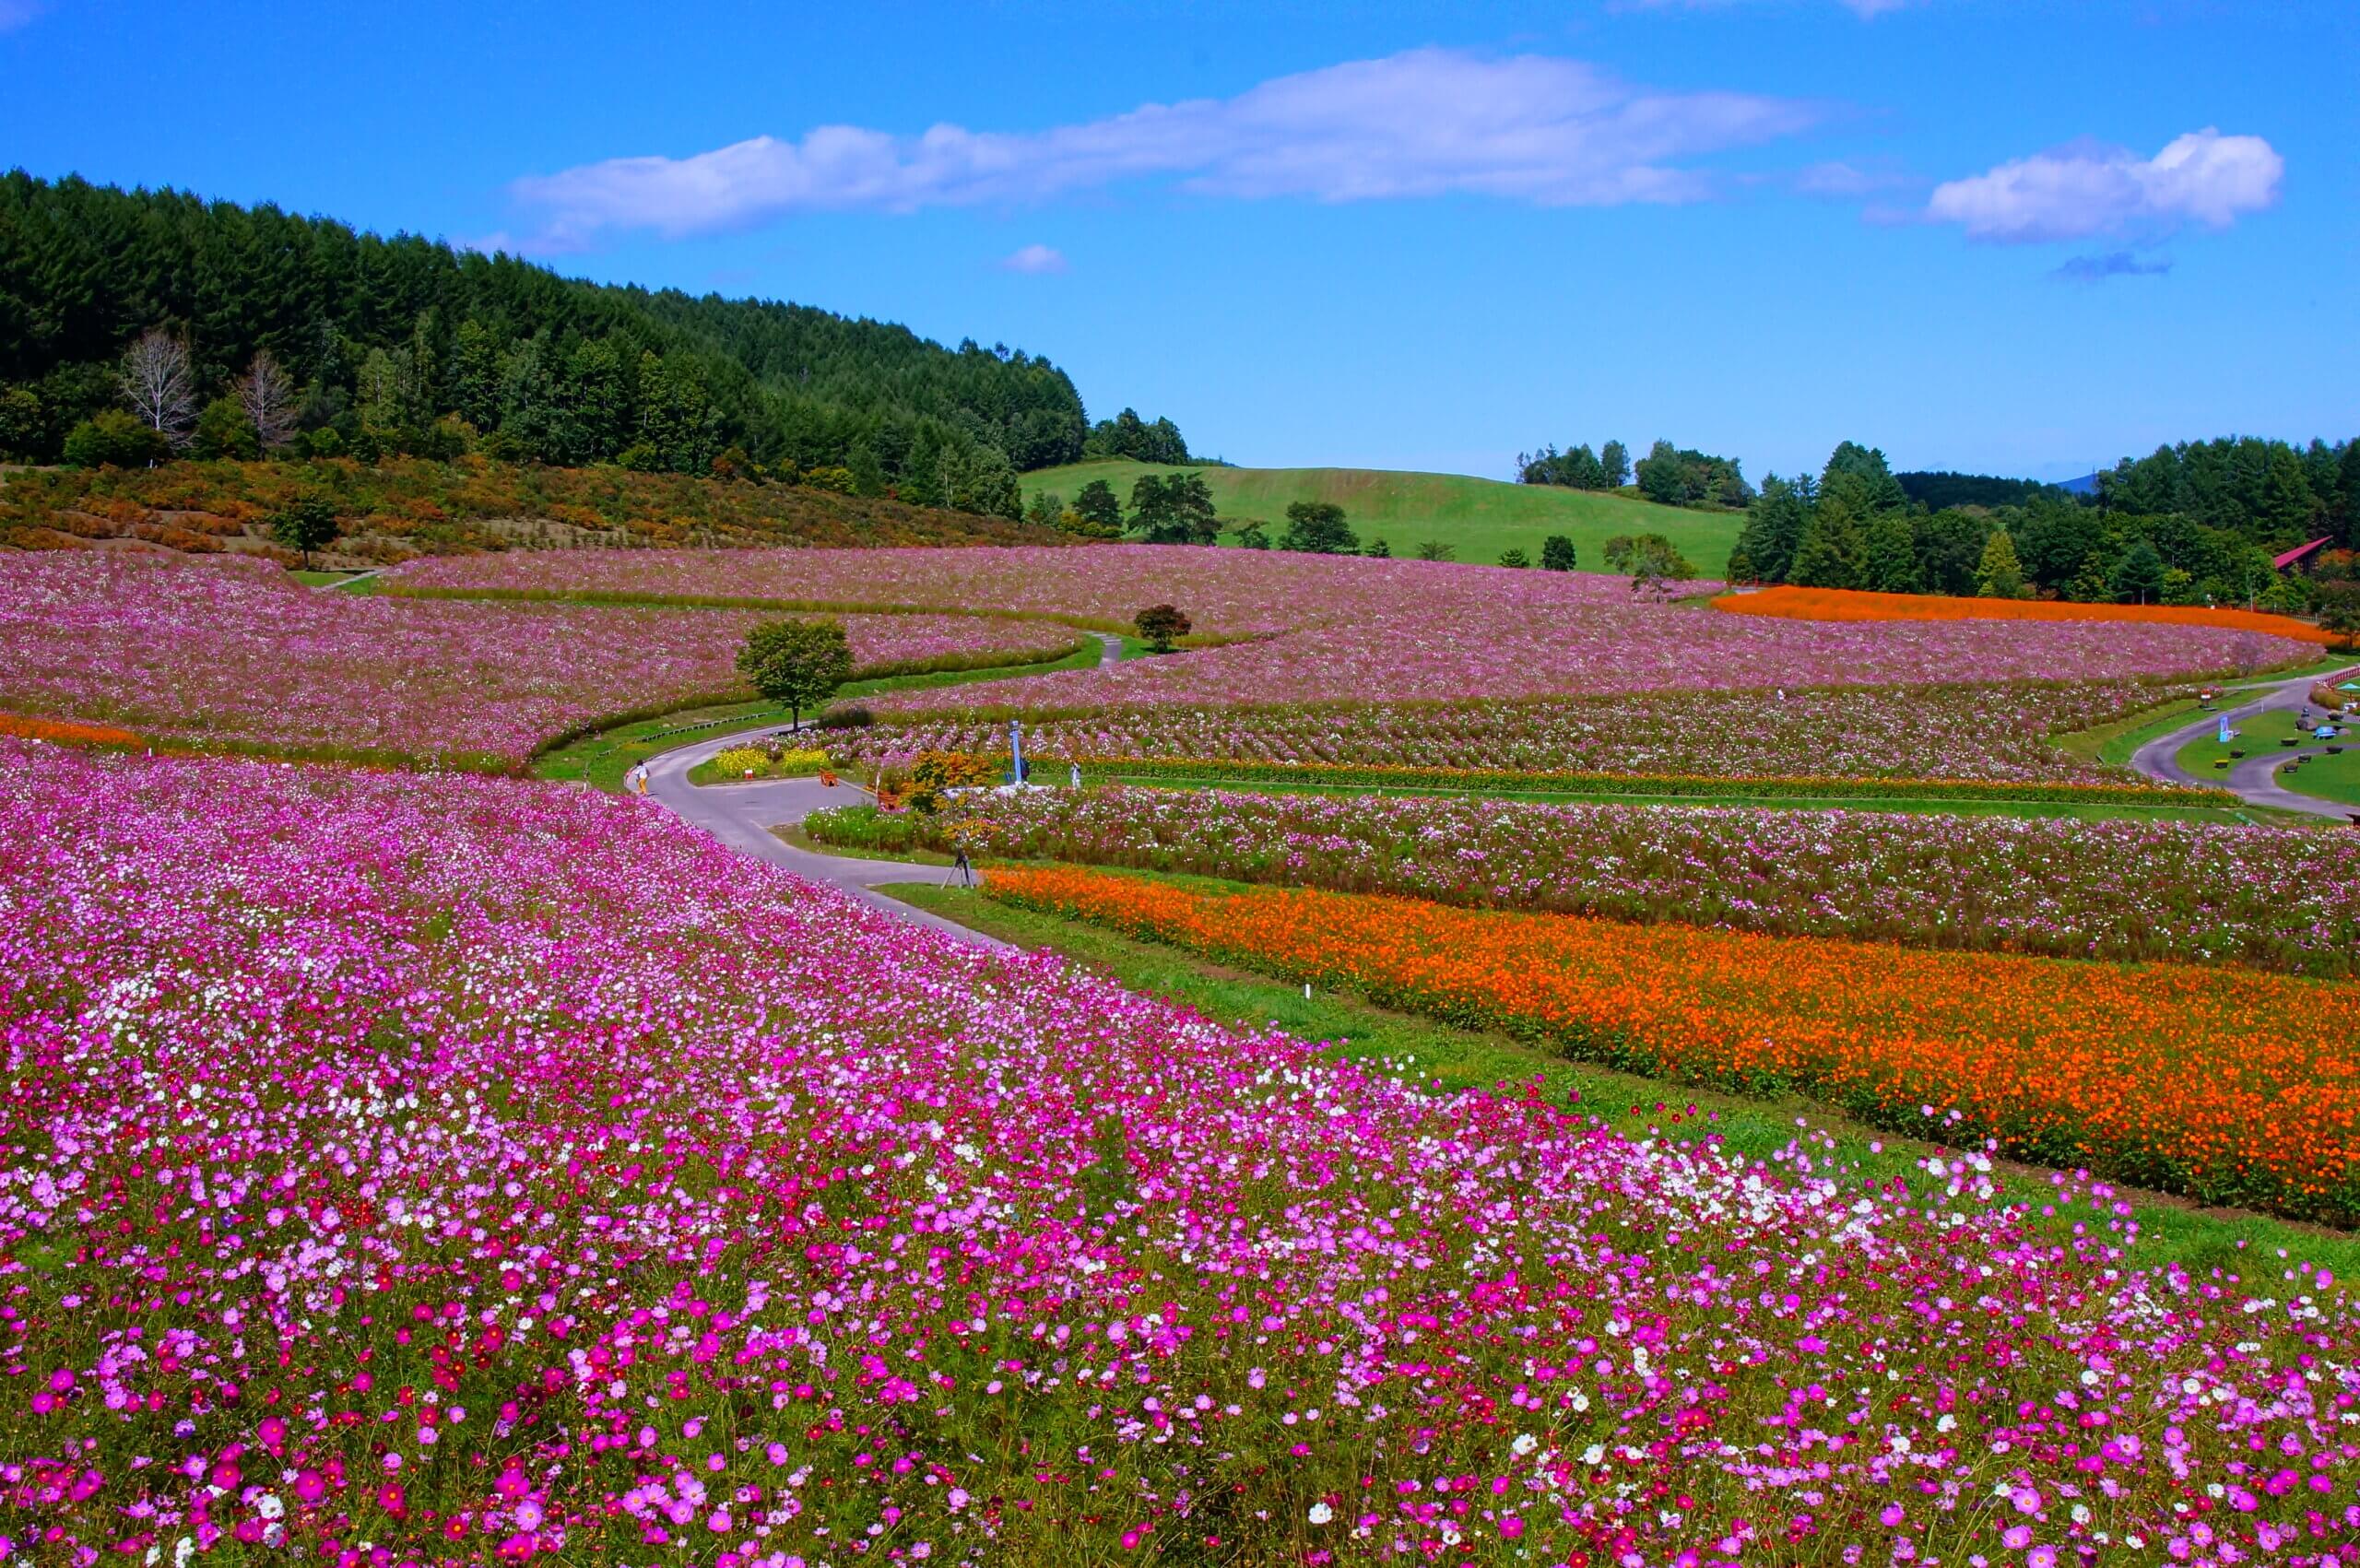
(742, 814)
(2255, 778)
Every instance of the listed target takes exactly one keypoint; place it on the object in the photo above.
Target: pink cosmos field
(1989, 734)
(1346, 629)
(409, 1169)
(237, 652)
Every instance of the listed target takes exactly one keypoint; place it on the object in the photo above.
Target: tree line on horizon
(2195, 524)
(1667, 475)
(235, 331)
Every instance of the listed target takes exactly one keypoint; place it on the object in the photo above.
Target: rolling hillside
(1478, 517)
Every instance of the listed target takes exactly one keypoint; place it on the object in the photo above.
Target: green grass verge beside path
(1478, 517)
(2114, 743)
(2327, 778)
(601, 757)
(2200, 1238)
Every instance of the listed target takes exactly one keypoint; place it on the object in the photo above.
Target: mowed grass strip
(2229, 1086)
(1478, 518)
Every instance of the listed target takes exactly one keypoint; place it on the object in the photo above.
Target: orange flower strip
(64, 732)
(2232, 1086)
(1789, 603)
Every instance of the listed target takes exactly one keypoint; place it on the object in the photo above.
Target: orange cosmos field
(1788, 603)
(2233, 1086)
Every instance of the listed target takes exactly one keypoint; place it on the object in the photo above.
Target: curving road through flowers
(2255, 780)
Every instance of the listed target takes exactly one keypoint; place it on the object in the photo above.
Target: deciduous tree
(268, 396)
(308, 524)
(1158, 625)
(158, 385)
(796, 663)
(1317, 527)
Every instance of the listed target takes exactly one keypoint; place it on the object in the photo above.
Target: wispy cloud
(2114, 264)
(1035, 259)
(2077, 191)
(1842, 181)
(1429, 122)
(15, 13)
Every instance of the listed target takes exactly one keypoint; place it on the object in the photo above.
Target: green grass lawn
(2266, 734)
(1478, 517)
(1460, 1059)
(2327, 778)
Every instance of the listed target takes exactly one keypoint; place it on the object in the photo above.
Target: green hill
(1478, 518)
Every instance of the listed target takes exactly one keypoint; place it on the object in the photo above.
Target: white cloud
(2075, 191)
(1035, 258)
(1429, 123)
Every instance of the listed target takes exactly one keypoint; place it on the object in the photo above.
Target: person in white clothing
(636, 780)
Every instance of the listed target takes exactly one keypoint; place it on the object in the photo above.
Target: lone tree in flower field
(796, 663)
(1556, 553)
(1159, 624)
(1317, 527)
(309, 523)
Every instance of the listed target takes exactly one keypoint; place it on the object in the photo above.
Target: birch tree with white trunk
(268, 397)
(157, 384)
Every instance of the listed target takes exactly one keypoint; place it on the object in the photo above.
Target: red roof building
(2296, 554)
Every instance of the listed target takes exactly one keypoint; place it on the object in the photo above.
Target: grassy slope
(1466, 1059)
(1480, 517)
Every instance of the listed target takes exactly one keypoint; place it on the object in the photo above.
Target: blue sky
(2007, 237)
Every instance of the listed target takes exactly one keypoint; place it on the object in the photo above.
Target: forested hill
(409, 345)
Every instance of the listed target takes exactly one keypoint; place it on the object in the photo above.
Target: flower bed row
(1790, 603)
(2231, 1086)
(1318, 775)
(2188, 892)
(1987, 732)
(407, 1168)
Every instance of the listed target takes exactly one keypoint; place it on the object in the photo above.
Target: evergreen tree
(1949, 550)
(1875, 488)
(868, 473)
(1892, 565)
(1834, 548)
(1556, 553)
(1773, 532)
(2138, 577)
(2000, 576)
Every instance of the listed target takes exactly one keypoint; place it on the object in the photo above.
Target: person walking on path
(635, 781)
